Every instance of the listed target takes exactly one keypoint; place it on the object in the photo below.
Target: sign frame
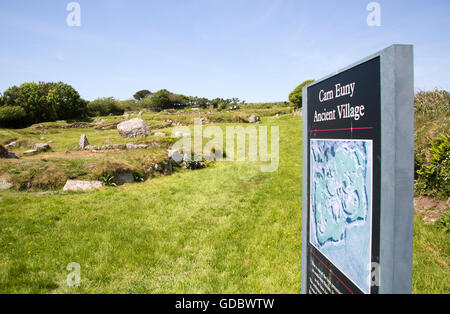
(396, 191)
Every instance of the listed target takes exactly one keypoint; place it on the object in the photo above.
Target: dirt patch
(431, 209)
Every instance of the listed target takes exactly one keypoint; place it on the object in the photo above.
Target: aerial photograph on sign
(341, 206)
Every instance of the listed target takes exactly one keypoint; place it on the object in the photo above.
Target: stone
(98, 121)
(160, 134)
(119, 146)
(216, 154)
(133, 128)
(254, 119)
(41, 147)
(107, 147)
(124, 177)
(11, 145)
(4, 184)
(136, 146)
(298, 113)
(140, 113)
(175, 156)
(181, 134)
(83, 141)
(30, 152)
(77, 185)
(3, 152)
(12, 155)
(159, 167)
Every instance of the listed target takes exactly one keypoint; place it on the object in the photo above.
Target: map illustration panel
(341, 205)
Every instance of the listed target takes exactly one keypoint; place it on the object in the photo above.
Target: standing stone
(133, 128)
(83, 141)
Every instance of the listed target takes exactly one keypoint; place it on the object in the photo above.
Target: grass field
(228, 228)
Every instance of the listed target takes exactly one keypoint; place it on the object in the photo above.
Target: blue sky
(257, 50)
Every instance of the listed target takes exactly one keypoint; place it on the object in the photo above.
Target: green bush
(104, 107)
(444, 222)
(158, 101)
(12, 116)
(65, 101)
(433, 173)
(296, 97)
(129, 105)
(44, 102)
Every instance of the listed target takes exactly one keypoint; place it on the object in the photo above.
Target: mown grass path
(224, 229)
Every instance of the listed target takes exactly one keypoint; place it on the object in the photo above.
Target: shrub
(432, 104)
(432, 117)
(444, 222)
(296, 96)
(12, 116)
(104, 107)
(433, 175)
(129, 105)
(44, 102)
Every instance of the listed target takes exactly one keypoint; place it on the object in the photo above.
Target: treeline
(163, 99)
(158, 101)
(31, 103)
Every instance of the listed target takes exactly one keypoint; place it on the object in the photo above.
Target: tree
(44, 102)
(142, 94)
(158, 101)
(203, 102)
(104, 107)
(33, 97)
(66, 101)
(12, 116)
(295, 96)
(177, 100)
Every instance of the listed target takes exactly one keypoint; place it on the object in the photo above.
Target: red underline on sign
(345, 129)
(331, 271)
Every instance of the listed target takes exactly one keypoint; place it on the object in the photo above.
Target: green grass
(431, 270)
(228, 228)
